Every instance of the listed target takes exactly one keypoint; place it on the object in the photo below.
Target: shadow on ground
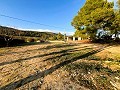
(48, 47)
(38, 56)
(46, 72)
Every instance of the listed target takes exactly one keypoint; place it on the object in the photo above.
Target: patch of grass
(113, 64)
(93, 57)
(103, 82)
(87, 83)
(85, 67)
(91, 75)
(69, 54)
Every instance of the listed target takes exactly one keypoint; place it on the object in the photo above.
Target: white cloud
(39, 30)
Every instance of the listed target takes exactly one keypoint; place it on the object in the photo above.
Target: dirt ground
(60, 66)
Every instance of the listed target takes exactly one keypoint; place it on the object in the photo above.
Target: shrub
(15, 42)
(30, 40)
(2, 41)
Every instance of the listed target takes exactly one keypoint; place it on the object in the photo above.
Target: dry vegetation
(60, 66)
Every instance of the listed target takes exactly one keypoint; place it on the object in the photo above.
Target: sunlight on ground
(60, 66)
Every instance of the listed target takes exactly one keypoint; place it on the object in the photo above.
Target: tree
(118, 3)
(54, 37)
(8, 39)
(60, 36)
(116, 23)
(94, 14)
(81, 33)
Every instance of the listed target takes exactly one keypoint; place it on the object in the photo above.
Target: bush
(42, 41)
(2, 41)
(12, 42)
(30, 40)
(15, 42)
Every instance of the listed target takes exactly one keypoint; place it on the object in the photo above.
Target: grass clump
(91, 75)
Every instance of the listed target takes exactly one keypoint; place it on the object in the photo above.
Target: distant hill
(15, 32)
(13, 37)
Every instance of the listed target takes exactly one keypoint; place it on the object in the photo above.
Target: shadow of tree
(48, 47)
(29, 58)
(67, 53)
(46, 72)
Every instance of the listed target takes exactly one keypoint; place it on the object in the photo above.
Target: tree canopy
(94, 12)
(97, 14)
(118, 3)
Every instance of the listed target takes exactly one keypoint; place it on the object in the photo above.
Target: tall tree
(115, 28)
(81, 33)
(94, 14)
(118, 3)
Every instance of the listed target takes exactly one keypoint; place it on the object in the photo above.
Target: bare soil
(60, 66)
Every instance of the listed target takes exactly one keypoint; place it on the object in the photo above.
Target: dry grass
(60, 66)
(111, 57)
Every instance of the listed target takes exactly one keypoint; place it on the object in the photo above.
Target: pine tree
(94, 14)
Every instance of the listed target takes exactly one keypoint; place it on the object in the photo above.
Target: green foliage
(102, 17)
(91, 9)
(95, 14)
(10, 41)
(60, 36)
(91, 32)
(53, 38)
(77, 33)
(116, 24)
(30, 40)
(15, 32)
(118, 3)
(81, 33)
(11, 35)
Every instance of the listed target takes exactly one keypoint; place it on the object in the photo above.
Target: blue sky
(57, 13)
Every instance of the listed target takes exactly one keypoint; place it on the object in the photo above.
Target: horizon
(46, 16)
(39, 30)
(56, 15)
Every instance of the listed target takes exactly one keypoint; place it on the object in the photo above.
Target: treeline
(15, 32)
(10, 36)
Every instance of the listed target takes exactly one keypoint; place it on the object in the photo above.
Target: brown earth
(59, 66)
